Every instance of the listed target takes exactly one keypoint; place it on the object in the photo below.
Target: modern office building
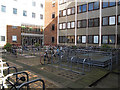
(51, 18)
(89, 22)
(21, 22)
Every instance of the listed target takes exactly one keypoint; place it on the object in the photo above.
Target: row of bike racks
(5, 79)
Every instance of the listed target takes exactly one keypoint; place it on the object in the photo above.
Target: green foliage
(37, 44)
(74, 47)
(105, 46)
(8, 47)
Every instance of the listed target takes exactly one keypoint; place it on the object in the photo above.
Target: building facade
(51, 18)
(21, 21)
(89, 22)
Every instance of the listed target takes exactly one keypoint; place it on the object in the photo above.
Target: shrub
(8, 47)
(37, 44)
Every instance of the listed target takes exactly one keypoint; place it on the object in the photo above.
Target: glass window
(84, 23)
(105, 3)
(119, 2)
(64, 12)
(24, 13)
(90, 39)
(96, 22)
(95, 39)
(96, 5)
(3, 8)
(112, 20)
(64, 25)
(79, 9)
(73, 10)
(68, 11)
(60, 13)
(111, 39)
(104, 39)
(79, 39)
(68, 25)
(41, 16)
(33, 3)
(53, 39)
(53, 27)
(33, 15)
(2, 38)
(14, 38)
(90, 6)
(72, 24)
(118, 19)
(14, 11)
(79, 24)
(105, 21)
(60, 26)
(41, 5)
(53, 15)
(112, 3)
(90, 22)
(84, 8)
(83, 39)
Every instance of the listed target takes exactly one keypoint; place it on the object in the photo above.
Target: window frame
(86, 8)
(3, 8)
(25, 13)
(15, 9)
(85, 39)
(92, 6)
(109, 20)
(65, 12)
(61, 26)
(65, 25)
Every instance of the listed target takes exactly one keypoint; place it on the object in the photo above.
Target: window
(68, 25)
(68, 11)
(105, 21)
(90, 6)
(104, 39)
(105, 3)
(24, 13)
(84, 8)
(112, 3)
(53, 3)
(119, 2)
(79, 9)
(84, 23)
(79, 24)
(112, 20)
(118, 19)
(96, 39)
(53, 27)
(33, 15)
(41, 16)
(33, 3)
(73, 10)
(53, 39)
(64, 25)
(90, 22)
(14, 27)
(62, 39)
(60, 13)
(64, 12)
(14, 38)
(2, 38)
(96, 5)
(72, 24)
(96, 22)
(60, 1)
(83, 39)
(111, 39)
(60, 26)
(79, 39)
(41, 5)
(90, 39)
(71, 39)
(53, 15)
(14, 11)
(3, 8)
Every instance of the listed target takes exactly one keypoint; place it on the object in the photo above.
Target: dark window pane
(53, 15)
(105, 3)
(79, 39)
(52, 39)
(90, 39)
(53, 27)
(79, 24)
(90, 22)
(2, 38)
(112, 2)
(96, 5)
(111, 39)
(118, 19)
(105, 39)
(119, 2)
(96, 22)
(80, 9)
(90, 6)
(84, 23)
(105, 21)
(84, 8)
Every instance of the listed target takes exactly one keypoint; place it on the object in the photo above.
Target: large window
(90, 6)
(64, 12)
(68, 25)
(14, 38)
(33, 15)
(105, 21)
(90, 22)
(73, 10)
(53, 27)
(80, 9)
(14, 11)
(2, 38)
(90, 39)
(53, 15)
(41, 16)
(119, 19)
(60, 13)
(60, 26)
(83, 39)
(79, 24)
(62, 39)
(24, 13)
(84, 8)
(79, 39)
(72, 24)
(84, 24)
(96, 22)
(96, 5)
(104, 39)
(105, 3)
(71, 39)
(68, 11)
(96, 39)
(53, 39)
(64, 25)
(119, 2)
(112, 3)
(111, 39)
(3, 8)
(112, 20)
